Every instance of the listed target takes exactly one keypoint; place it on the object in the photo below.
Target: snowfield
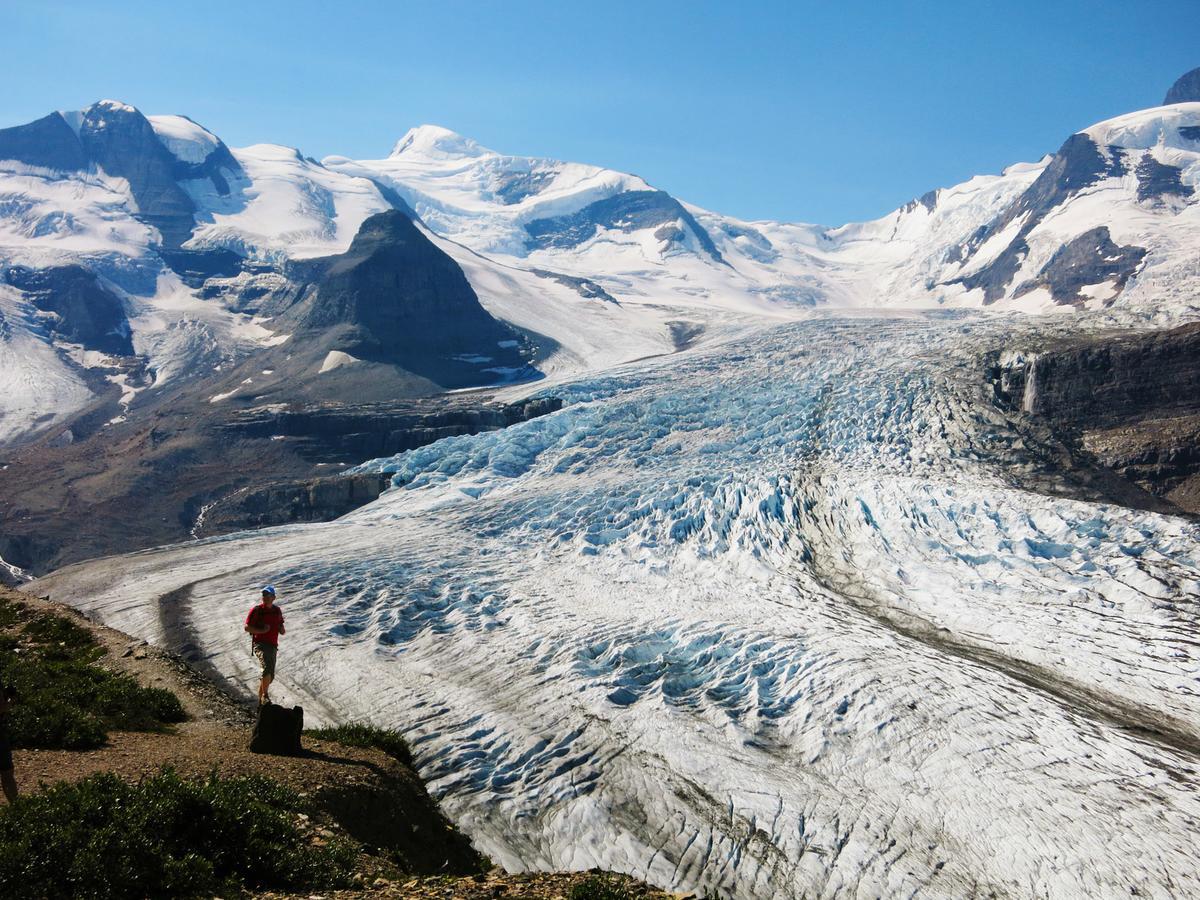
(769, 618)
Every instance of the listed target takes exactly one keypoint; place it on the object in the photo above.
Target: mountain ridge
(199, 242)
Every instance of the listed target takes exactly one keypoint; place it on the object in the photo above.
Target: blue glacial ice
(770, 618)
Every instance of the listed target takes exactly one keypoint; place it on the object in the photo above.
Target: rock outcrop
(1129, 402)
(355, 433)
(1185, 90)
(283, 503)
(81, 309)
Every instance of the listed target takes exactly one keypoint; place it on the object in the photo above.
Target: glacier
(776, 616)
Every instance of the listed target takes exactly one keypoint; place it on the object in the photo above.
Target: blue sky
(819, 112)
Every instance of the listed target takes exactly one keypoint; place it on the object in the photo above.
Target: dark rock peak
(84, 311)
(628, 211)
(1185, 90)
(117, 138)
(121, 141)
(48, 142)
(1091, 258)
(928, 200)
(394, 297)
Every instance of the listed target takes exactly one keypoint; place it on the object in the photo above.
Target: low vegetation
(67, 701)
(360, 735)
(166, 836)
(603, 886)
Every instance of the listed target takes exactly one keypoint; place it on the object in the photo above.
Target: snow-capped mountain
(597, 266)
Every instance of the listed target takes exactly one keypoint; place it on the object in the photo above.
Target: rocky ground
(361, 793)
(187, 466)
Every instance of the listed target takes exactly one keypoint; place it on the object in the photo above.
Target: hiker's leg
(267, 655)
(266, 659)
(9, 779)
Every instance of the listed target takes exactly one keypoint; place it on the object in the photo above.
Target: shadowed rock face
(1092, 258)
(1185, 90)
(394, 297)
(219, 161)
(354, 433)
(1157, 180)
(49, 143)
(121, 141)
(629, 211)
(84, 312)
(1131, 403)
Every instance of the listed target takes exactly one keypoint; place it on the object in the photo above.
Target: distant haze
(797, 112)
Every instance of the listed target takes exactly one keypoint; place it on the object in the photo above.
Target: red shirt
(272, 617)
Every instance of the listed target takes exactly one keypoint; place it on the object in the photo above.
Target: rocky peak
(1185, 90)
(119, 139)
(394, 297)
(50, 143)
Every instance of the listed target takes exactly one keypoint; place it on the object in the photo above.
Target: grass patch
(66, 701)
(602, 887)
(167, 836)
(360, 735)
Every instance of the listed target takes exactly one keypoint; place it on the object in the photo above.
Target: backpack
(277, 730)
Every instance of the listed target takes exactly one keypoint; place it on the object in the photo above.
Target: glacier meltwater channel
(770, 618)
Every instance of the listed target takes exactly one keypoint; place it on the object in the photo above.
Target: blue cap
(269, 589)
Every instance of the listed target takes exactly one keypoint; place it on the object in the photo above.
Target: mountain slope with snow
(600, 265)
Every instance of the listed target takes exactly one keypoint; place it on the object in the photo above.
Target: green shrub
(167, 836)
(361, 735)
(59, 635)
(65, 700)
(47, 722)
(601, 887)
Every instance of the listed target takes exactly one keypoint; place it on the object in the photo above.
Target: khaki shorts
(265, 654)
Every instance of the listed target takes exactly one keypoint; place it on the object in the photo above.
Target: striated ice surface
(771, 619)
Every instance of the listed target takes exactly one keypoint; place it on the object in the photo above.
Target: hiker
(264, 624)
(8, 698)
